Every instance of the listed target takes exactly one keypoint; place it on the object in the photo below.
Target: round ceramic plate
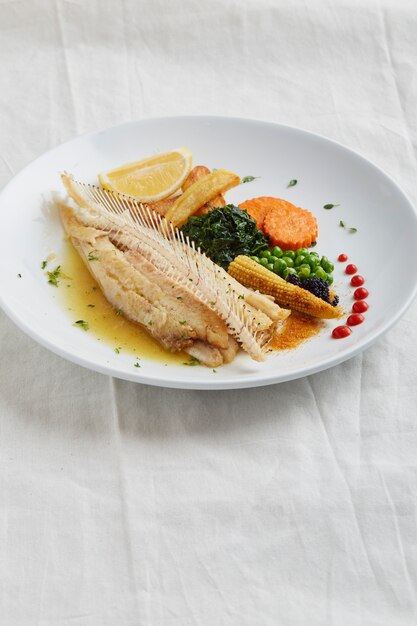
(327, 172)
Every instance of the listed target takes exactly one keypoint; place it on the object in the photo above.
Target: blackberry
(317, 286)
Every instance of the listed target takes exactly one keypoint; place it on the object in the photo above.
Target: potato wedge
(200, 192)
(196, 173)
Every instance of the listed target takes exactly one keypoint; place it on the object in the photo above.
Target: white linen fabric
(127, 505)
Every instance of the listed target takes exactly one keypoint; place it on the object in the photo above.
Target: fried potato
(196, 173)
(199, 193)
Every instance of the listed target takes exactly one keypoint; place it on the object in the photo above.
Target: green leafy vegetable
(224, 233)
(92, 255)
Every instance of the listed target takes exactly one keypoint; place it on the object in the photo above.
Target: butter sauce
(83, 299)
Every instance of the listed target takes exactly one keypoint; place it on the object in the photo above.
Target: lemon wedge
(151, 179)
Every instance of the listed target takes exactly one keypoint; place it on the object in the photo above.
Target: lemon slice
(151, 179)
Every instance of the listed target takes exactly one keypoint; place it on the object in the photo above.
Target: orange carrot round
(256, 209)
(287, 225)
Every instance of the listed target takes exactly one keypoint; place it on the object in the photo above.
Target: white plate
(326, 171)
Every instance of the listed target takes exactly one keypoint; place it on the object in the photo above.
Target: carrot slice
(287, 225)
(256, 209)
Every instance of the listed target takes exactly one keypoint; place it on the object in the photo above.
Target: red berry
(360, 306)
(342, 258)
(360, 293)
(355, 319)
(351, 269)
(340, 332)
(357, 280)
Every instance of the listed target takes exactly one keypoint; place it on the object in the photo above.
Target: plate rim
(196, 384)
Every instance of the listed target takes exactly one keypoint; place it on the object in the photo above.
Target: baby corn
(289, 296)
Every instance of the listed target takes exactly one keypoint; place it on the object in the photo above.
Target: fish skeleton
(156, 277)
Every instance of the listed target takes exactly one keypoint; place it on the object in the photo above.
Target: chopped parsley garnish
(117, 350)
(180, 298)
(82, 324)
(44, 264)
(248, 179)
(19, 275)
(89, 305)
(193, 361)
(292, 182)
(150, 323)
(351, 230)
(118, 311)
(214, 371)
(54, 276)
(93, 255)
(136, 365)
(241, 297)
(183, 322)
(330, 206)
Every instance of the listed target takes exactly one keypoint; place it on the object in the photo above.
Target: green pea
(299, 260)
(255, 258)
(290, 254)
(320, 273)
(288, 271)
(263, 261)
(265, 254)
(327, 266)
(330, 279)
(304, 271)
(279, 266)
(301, 251)
(314, 254)
(311, 261)
(270, 266)
(288, 260)
(277, 252)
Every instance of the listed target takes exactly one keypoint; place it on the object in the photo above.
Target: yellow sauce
(84, 300)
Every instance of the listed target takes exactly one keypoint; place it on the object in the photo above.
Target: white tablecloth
(127, 505)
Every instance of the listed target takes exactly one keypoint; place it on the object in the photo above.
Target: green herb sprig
(54, 276)
(82, 324)
(351, 230)
(192, 362)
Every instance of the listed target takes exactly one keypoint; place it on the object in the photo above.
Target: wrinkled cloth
(294, 504)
